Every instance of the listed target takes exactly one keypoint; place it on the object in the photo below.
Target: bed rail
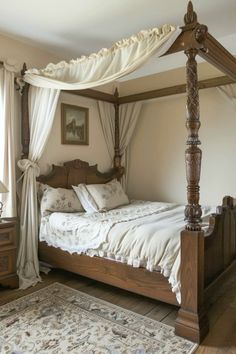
(206, 257)
(220, 241)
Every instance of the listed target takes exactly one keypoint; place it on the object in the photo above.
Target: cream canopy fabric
(108, 64)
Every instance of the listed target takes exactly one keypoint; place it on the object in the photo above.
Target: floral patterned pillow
(58, 199)
(108, 196)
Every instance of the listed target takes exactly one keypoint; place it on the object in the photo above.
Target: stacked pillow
(58, 199)
(90, 198)
(101, 197)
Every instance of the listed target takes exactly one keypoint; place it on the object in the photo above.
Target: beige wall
(95, 152)
(157, 168)
(21, 52)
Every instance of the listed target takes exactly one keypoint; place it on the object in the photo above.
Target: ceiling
(71, 28)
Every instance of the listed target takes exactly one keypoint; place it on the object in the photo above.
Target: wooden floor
(222, 310)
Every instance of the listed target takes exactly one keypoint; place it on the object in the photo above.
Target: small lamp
(3, 189)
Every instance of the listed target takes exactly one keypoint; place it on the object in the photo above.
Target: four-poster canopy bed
(205, 256)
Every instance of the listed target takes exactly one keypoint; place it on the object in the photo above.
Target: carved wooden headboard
(77, 171)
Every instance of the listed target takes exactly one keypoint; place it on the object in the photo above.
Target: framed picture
(74, 124)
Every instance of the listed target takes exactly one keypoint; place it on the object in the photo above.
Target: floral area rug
(60, 320)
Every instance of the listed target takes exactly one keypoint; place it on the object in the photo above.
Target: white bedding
(143, 234)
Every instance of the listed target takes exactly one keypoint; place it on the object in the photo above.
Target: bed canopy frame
(205, 257)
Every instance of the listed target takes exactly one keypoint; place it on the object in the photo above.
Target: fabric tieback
(25, 164)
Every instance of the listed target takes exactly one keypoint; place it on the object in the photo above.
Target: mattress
(141, 234)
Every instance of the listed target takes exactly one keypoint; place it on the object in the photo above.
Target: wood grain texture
(192, 322)
(221, 338)
(220, 241)
(8, 253)
(193, 153)
(94, 94)
(138, 280)
(218, 56)
(78, 171)
(117, 155)
(175, 90)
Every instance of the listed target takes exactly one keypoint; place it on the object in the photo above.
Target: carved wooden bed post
(191, 321)
(25, 131)
(117, 157)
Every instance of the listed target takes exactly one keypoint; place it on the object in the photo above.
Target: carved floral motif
(193, 153)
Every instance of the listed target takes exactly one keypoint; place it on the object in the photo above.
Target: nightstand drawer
(7, 237)
(7, 262)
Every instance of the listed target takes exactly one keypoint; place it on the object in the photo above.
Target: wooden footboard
(205, 259)
(220, 243)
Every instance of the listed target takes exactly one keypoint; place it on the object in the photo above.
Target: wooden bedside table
(8, 249)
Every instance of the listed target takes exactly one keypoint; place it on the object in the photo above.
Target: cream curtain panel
(86, 72)
(128, 116)
(7, 141)
(107, 119)
(42, 106)
(229, 92)
(108, 64)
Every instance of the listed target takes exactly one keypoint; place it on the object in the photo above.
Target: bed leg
(191, 322)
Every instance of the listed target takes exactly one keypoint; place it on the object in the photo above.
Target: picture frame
(74, 124)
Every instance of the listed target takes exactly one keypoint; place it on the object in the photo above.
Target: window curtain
(42, 106)
(7, 145)
(128, 116)
(107, 65)
(229, 92)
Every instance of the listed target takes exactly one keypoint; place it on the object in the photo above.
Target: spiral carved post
(117, 157)
(193, 153)
(191, 321)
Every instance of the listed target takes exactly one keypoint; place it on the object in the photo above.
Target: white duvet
(142, 233)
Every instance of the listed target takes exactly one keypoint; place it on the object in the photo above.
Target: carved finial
(190, 16)
(201, 33)
(23, 69)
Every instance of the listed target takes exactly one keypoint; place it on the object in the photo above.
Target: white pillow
(85, 198)
(58, 199)
(102, 197)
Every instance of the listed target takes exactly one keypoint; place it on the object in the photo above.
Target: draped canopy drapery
(86, 72)
(27, 262)
(127, 121)
(107, 65)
